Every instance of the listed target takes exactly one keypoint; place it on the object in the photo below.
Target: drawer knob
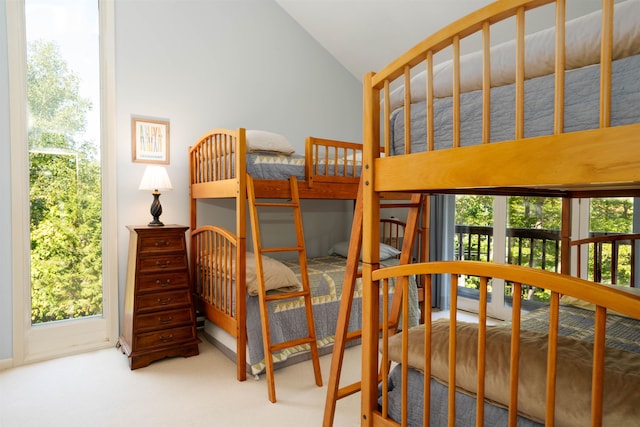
(163, 284)
(164, 301)
(168, 338)
(163, 265)
(165, 320)
(162, 242)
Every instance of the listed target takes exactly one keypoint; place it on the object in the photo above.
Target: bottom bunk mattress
(622, 365)
(287, 317)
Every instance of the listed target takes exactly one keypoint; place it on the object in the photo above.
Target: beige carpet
(98, 389)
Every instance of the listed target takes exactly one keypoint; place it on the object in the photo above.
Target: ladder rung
(292, 343)
(285, 295)
(348, 390)
(289, 249)
(276, 205)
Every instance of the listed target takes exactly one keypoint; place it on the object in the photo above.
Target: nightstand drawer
(154, 282)
(162, 301)
(164, 337)
(159, 242)
(164, 319)
(162, 263)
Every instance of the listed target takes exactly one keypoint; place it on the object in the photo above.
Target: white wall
(206, 64)
(203, 64)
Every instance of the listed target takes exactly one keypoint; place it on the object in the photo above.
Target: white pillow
(386, 251)
(260, 140)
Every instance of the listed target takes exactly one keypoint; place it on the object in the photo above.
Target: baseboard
(6, 364)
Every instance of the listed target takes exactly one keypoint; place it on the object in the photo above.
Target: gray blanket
(287, 317)
(581, 108)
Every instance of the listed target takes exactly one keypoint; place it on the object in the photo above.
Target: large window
(63, 99)
(59, 87)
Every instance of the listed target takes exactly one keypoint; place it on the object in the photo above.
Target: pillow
(576, 302)
(260, 140)
(386, 251)
(276, 275)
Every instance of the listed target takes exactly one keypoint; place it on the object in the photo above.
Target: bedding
(386, 251)
(277, 276)
(581, 109)
(260, 140)
(582, 44)
(572, 301)
(573, 382)
(264, 165)
(326, 276)
(286, 317)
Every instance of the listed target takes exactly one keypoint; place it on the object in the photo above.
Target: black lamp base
(156, 210)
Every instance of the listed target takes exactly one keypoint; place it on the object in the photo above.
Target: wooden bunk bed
(588, 146)
(220, 263)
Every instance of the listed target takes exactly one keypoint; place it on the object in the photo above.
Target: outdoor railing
(610, 257)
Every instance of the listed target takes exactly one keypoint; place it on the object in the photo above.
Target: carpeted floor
(98, 389)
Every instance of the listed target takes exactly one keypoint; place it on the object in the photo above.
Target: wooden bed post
(370, 257)
(241, 249)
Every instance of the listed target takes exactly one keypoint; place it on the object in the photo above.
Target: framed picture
(150, 140)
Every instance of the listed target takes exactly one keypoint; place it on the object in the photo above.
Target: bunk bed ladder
(343, 336)
(265, 297)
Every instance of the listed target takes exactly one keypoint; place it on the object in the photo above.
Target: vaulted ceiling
(365, 35)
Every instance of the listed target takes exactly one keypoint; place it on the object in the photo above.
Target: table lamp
(155, 179)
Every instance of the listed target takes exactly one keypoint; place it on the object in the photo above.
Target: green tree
(65, 192)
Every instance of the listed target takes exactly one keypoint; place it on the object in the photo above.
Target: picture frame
(150, 140)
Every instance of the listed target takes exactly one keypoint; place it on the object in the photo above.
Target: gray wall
(205, 64)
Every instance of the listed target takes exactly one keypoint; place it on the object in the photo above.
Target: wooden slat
(605, 63)
(486, 83)
(514, 356)
(456, 91)
(407, 110)
(519, 125)
(558, 101)
(429, 98)
(552, 358)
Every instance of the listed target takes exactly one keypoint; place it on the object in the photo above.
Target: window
(61, 159)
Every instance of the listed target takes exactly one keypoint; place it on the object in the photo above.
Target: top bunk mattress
(581, 94)
(265, 165)
(582, 99)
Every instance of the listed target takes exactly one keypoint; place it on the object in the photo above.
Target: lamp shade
(155, 178)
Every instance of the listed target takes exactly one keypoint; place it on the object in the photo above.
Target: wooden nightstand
(159, 317)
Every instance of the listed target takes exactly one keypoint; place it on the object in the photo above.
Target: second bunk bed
(222, 265)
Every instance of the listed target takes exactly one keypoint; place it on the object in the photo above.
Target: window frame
(33, 343)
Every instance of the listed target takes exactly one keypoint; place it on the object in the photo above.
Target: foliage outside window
(533, 235)
(65, 192)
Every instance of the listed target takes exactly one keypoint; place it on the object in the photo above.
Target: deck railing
(610, 260)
